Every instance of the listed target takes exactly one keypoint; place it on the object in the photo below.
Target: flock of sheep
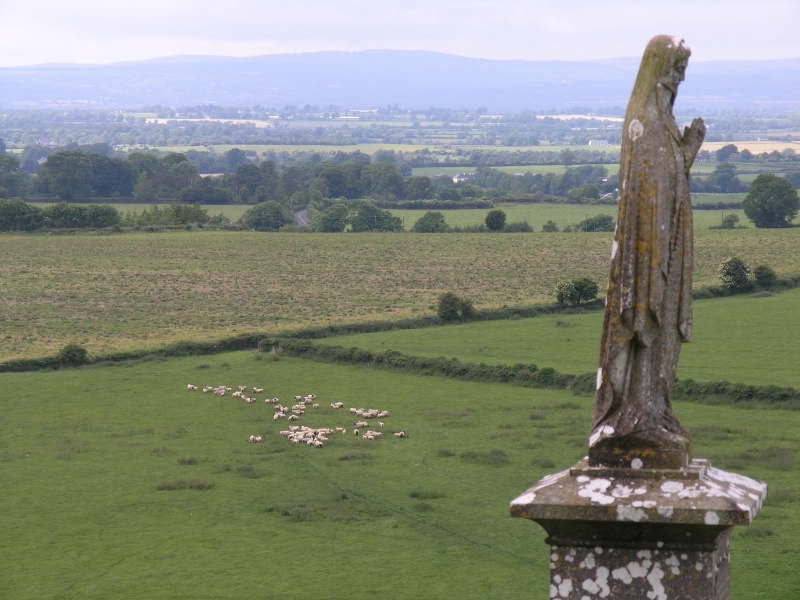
(302, 434)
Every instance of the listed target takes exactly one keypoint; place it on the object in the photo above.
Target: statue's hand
(693, 137)
(695, 133)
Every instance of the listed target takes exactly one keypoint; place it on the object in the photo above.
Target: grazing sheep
(191, 387)
(253, 438)
(257, 390)
(355, 431)
(380, 424)
(401, 434)
(258, 439)
(362, 424)
(278, 415)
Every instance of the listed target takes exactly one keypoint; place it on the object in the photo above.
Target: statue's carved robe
(649, 302)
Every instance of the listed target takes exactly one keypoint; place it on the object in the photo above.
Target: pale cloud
(95, 31)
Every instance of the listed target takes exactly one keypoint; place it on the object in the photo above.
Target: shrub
(596, 223)
(431, 222)
(518, 227)
(451, 307)
(550, 227)
(764, 276)
(575, 291)
(495, 220)
(736, 274)
(73, 355)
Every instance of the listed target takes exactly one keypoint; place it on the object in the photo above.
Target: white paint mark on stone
(640, 491)
(637, 463)
(553, 591)
(635, 129)
(698, 566)
(712, 518)
(582, 478)
(565, 588)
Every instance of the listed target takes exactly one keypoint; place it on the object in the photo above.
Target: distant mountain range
(369, 79)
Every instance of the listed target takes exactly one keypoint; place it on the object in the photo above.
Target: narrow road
(301, 217)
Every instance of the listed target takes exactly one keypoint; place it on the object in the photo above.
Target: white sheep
(400, 434)
(191, 387)
(257, 390)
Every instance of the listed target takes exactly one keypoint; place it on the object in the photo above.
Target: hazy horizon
(96, 32)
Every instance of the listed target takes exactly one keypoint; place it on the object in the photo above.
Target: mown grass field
(758, 334)
(111, 292)
(562, 215)
(118, 482)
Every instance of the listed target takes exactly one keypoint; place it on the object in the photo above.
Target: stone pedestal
(651, 534)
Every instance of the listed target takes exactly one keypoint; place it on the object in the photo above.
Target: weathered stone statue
(639, 519)
(649, 303)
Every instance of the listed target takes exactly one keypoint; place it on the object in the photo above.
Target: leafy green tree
(586, 289)
(18, 215)
(234, 158)
(365, 216)
(771, 202)
(596, 223)
(724, 180)
(431, 222)
(575, 291)
(764, 276)
(68, 174)
(566, 294)
(419, 187)
(793, 177)
(111, 176)
(12, 177)
(383, 180)
(142, 163)
(495, 220)
(267, 216)
(736, 274)
(730, 222)
(333, 219)
(337, 182)
(726, 152)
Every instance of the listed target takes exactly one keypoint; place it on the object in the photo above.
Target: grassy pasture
(112, 292)
(562, 214)
(758, 336)
(118, 482)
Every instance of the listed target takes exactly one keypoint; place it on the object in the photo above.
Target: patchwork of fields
(119, 482)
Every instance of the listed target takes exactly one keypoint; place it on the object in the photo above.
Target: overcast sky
(105, 31)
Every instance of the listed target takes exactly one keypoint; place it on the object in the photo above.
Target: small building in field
(463, 177)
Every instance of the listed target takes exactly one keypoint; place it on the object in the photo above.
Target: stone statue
(649, 304)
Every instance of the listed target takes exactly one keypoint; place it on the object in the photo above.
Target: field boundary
(299, 344)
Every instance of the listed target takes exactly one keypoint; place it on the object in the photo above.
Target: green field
(571, 343)
(562, 214)
(118, 482)
(111, 292)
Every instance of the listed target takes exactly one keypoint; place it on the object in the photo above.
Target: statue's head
(664, 63)
(671, 56)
